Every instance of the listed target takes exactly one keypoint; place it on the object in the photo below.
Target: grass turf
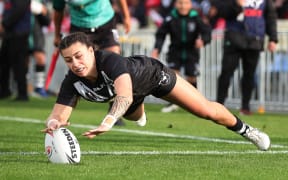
(192, 149)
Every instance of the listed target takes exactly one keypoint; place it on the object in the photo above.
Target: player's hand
(95, 132)
(54, 124)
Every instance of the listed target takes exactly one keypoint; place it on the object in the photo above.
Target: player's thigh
(189, 98)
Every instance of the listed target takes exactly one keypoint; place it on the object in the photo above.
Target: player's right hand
(54, 124)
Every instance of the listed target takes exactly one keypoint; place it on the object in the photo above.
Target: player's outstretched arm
(123, 100)
(58, 117)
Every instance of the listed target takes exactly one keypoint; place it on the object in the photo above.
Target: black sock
(239, 127)
(40, 68)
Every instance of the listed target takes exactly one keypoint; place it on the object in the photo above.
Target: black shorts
(103, 36)
(190, 64)
(165, 86)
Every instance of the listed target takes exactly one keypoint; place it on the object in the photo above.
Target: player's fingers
(92, 133)
(46, 130)
(89, 135)
(65, 124)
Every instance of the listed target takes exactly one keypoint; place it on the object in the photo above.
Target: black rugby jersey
(147, 75)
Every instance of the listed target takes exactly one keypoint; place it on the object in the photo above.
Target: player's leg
(186, 96)
(191, 68)
(138, 115)
(249, 63)
(39, 78)
(171, 107)
(230, 62)
(20, 61)
(174, 63)
(5, 70)
(37, 47)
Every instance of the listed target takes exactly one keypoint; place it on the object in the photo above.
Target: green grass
(22, 146)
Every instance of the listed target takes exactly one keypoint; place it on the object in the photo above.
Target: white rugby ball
(61, 146)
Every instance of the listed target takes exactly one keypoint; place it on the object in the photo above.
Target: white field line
(151, 133)
(118, 153)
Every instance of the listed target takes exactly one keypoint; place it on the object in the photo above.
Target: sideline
(151, 133)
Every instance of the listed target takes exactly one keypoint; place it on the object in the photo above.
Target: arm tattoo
(120, 106)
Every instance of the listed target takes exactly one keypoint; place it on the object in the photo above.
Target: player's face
(183, 6)
(80, 59)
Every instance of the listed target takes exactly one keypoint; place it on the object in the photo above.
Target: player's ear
(90, 49)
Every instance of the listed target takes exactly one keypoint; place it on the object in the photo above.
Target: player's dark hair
(72, 38)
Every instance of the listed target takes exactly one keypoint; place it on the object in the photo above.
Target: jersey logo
(88, 93)
(191, 27)
(102, 93)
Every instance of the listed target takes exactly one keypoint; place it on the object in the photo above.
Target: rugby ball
(61, 146)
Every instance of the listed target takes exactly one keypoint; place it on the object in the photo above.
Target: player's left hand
(95, 132)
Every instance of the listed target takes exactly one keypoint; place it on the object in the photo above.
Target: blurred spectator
(14, 29)
(40, 18)
(138, 10)
(282, 8)
(247, 23)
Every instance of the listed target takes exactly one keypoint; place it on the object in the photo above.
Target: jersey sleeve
(67, 94)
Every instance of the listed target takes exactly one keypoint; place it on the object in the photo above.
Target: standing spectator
(96, 18)
(246, 25)
(14, 28)
(40, 18)
(188, 34)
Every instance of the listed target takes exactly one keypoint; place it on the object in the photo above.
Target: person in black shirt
(247, 25)
(14, 32)
(102, 76)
